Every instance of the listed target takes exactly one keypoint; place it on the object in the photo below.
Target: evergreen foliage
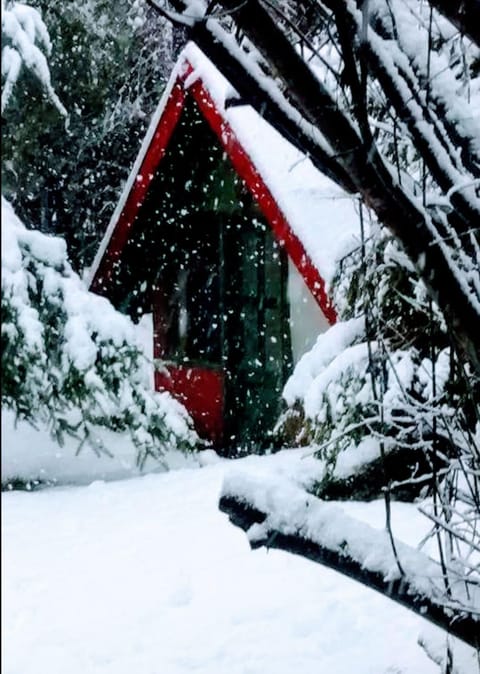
(69, 360)
(109, 63)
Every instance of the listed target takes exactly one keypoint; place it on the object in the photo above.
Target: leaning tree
(383, 96)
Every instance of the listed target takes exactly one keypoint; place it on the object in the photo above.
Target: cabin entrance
(221, 325)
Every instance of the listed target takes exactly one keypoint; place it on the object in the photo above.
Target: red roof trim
(245, 169)
(153, 156)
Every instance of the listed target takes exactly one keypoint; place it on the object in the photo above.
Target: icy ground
(146, 576)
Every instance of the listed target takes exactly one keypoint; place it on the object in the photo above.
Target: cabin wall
(307, 321)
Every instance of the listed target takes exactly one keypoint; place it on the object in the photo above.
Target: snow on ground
(146, 575)
(29, 454)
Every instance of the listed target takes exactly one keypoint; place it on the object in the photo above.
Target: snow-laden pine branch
(71, 363)
(23, 35)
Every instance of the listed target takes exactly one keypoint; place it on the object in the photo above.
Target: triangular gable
(188, 80)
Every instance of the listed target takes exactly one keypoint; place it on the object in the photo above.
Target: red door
(201, 390)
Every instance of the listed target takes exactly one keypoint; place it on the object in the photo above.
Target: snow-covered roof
(319, 213)
(322, 215)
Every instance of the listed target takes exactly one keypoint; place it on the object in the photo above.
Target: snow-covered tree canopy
(108, 63)
(23, 35)
(383, 96)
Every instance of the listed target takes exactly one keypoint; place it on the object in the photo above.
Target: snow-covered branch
(278, 514)
(465, 15)
(70, 361)
(22, 28)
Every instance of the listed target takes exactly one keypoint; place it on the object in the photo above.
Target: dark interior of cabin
(204, 261)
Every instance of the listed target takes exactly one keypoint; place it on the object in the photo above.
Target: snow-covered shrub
(384, 378)
(69, 359)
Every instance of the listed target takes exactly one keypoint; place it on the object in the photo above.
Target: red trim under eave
(153, 156)
(245, 169)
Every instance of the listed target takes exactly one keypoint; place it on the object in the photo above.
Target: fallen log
(457, 623)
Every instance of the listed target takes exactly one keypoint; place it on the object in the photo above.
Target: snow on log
(278, 514)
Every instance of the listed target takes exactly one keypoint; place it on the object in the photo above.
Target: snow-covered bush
(384, 378)
(69, 359)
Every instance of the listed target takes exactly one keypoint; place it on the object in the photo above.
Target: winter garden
(240, 336)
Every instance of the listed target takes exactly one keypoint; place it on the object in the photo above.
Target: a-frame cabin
(212, 224)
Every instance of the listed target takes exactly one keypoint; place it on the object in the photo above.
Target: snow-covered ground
(146, 576)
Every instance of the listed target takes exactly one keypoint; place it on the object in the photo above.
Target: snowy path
(146, 576)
